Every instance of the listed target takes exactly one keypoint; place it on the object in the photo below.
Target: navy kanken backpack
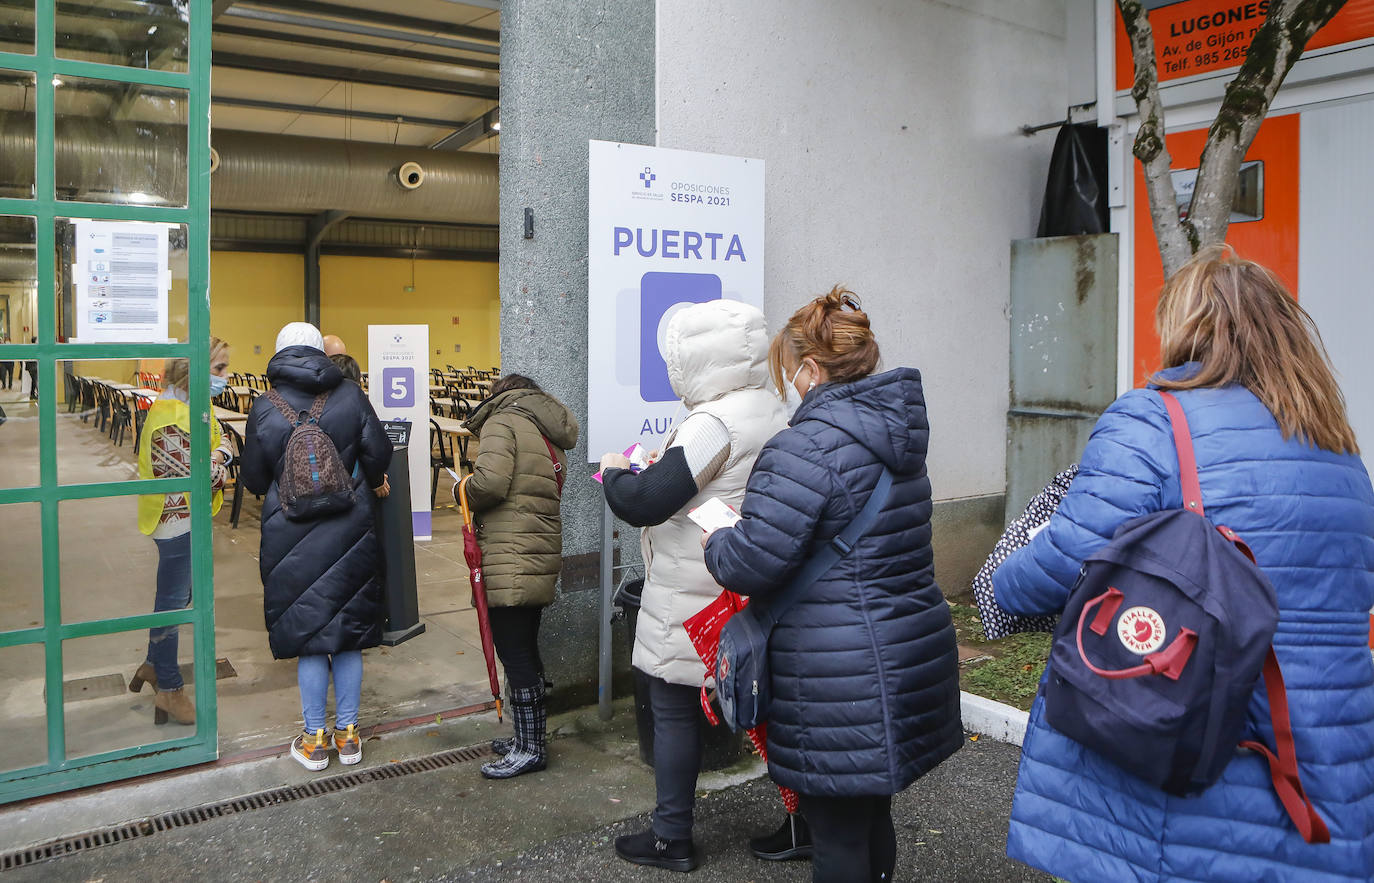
(1161, 644)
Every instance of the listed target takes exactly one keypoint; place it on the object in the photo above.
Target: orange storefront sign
(1199, 36)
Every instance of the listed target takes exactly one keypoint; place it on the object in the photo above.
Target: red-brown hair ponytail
(832, 329)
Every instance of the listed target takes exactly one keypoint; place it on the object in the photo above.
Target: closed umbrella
(473, 553)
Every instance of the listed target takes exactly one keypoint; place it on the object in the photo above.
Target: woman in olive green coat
(514, 492)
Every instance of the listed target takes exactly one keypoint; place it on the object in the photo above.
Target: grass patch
(1011, 668)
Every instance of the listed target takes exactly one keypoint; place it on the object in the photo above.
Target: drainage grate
(262, 800)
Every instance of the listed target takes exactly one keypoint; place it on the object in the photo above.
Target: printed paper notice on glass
(121, 279)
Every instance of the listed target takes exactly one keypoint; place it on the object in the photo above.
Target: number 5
(398, 387)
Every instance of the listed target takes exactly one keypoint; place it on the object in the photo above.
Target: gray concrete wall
(570, 72)
(963, 532)
(894, 165)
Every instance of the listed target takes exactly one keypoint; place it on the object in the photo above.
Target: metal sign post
(603, 682)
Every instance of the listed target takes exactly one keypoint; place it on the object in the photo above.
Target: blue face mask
(217, 384)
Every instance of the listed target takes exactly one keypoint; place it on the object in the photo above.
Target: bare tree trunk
(1277, 45)
(1176, 238)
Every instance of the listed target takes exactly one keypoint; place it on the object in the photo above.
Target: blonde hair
(176, 371)
(834, 331)
(1240, 322)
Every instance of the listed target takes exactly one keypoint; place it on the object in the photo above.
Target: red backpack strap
(1187, 462)
(710, 713)
(1283, 767)
(557, 466)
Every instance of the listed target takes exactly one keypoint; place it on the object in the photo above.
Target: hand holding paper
(634, 459)
(713, 515)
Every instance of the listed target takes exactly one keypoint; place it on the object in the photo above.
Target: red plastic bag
(703, 629)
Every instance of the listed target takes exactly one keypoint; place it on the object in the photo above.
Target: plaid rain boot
(529, 753)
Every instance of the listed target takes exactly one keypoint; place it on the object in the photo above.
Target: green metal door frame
(61, 773)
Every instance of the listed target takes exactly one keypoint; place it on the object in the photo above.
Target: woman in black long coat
(321, 579)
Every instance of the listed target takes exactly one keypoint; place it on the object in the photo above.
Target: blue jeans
(312, 675)
(173, 593)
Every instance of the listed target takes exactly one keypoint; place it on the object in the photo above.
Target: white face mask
(791, 401)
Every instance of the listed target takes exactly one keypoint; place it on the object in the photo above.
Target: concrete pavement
(450, 824)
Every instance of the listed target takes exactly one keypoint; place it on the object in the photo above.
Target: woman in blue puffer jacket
(865, 674)
(1279, 465)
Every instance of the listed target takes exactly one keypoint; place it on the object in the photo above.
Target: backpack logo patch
(1141, 630)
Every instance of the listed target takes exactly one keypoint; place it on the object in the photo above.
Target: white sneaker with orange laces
(349, 745)
(311, 750)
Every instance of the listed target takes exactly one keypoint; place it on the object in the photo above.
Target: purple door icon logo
(661, 294)
(398, 387)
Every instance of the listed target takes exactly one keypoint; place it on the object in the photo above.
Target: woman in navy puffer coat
(864, 667)
(1296, 491)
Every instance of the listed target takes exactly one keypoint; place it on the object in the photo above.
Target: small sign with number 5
(398, 387)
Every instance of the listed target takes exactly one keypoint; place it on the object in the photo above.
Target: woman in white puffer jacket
(717, 357)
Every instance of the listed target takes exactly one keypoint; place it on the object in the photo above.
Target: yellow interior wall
(359, 291)
(252, 295)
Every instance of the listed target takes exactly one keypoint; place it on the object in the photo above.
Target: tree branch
(1276, 47)
(1174, 235)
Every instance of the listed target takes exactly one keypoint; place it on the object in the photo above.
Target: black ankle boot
(792, 840)
(647, 848)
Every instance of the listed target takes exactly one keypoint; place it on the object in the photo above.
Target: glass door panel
(103, 713)
(96, 101)
(21, 573)
(26, 733)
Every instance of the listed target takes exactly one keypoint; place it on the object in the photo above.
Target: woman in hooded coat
(864, 666)
(515, 492)
(716, 355)
(321, 578)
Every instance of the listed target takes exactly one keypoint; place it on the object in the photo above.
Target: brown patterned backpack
(313, 481)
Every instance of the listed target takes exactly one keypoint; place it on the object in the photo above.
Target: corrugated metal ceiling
(410, 72)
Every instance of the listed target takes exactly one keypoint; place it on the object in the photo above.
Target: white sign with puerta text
(667, 228)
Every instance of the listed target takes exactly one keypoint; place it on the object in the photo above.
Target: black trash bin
(719, 746)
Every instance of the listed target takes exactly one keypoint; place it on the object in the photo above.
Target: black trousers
(677, 756)
(33, 386)
(853, 838)
(515, 632)
(6, 374)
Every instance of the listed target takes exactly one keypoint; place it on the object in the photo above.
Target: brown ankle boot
(144, 675)
(175, 704)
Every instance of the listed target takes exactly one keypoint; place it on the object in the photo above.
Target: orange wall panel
(1272, 240)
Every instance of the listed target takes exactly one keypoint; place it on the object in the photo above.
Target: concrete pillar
(570, 72)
